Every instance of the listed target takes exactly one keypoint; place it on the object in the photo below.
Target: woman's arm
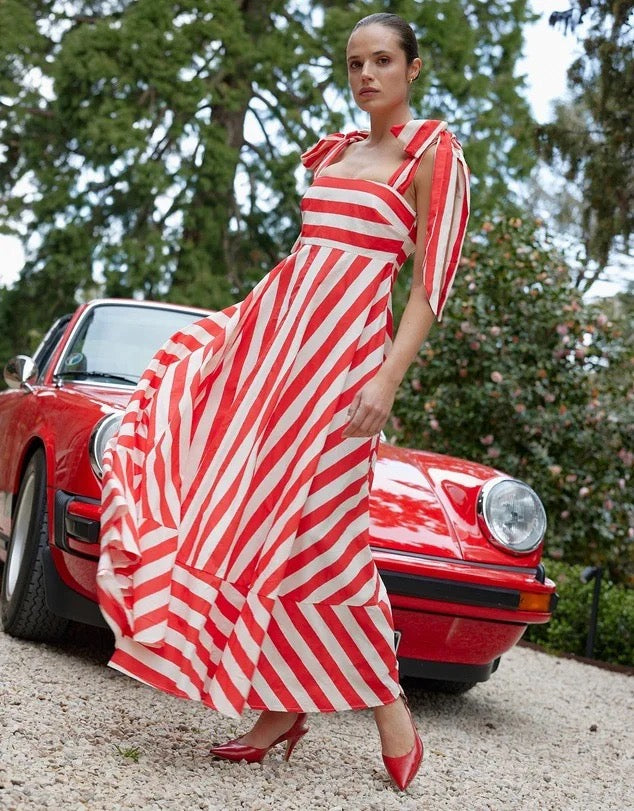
(373, 403)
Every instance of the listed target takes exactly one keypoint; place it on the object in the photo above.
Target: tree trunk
(203, 270)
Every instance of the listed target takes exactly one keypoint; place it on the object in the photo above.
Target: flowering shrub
(525, 376)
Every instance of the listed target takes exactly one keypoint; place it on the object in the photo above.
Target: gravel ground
(543, 733)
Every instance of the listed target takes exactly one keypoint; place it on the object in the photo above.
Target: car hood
(425, 503)
(100, 396)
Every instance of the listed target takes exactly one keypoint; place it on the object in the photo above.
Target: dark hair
(406, 35)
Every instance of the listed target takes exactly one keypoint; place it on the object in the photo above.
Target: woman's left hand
(370, 408)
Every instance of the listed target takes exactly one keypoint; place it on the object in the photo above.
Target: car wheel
(452, 688)
(23, 608)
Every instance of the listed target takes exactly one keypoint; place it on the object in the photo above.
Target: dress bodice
(373, 218)
(362, 216)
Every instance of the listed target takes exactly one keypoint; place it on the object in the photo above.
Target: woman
(235, 565)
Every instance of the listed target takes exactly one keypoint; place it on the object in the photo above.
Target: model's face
(377, 68)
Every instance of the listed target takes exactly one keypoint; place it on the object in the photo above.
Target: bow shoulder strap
(326, 150)
(449, 202)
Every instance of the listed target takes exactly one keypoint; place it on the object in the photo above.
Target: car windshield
(114, 343)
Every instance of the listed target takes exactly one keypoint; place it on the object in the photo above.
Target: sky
(547, 55)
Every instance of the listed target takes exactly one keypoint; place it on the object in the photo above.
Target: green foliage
(522, 373)
(590, 141)
(151, 147)
(567, 632)
(131, 752)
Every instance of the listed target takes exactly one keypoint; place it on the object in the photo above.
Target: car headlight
(102, 433)
(511, 514)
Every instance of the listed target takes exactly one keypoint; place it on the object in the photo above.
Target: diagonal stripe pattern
(235, 564)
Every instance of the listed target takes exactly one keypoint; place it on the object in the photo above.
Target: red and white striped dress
(235, 564)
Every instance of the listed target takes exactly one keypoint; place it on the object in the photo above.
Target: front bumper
(445, 590)
(498, 592)
(456, 618)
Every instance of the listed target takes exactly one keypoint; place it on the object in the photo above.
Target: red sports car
(458, 544)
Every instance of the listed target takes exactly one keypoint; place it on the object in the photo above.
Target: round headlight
(102, 433)
(512, 515)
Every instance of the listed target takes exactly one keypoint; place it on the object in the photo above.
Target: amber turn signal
(529, 601)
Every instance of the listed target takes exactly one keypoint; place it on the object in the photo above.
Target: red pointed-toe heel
(403, 768)
(234, 750)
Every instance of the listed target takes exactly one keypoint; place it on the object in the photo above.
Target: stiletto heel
(291, 744)
(234, 750)
(403, 769)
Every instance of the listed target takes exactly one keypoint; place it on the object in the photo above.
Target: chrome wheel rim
(19, 535)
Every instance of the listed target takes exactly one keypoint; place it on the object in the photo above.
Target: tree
(524, 374)
(152, 146)
(590, 141)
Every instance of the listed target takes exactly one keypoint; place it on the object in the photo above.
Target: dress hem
(248, 705)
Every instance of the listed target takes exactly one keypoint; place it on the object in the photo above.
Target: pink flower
(622, 484)
(602, 319)
(564, 514)
(562, 329)
(571, 477)
(495, 331)
(486, 440)
(471, 287)
(396, 423)
(608, 504)
(475, 345)
(434, 425)
(493, 453)
(466, 326)
(496, 377)
(416, 384)
(583, 492)
(555, 470)
(520, 408)
(580, 352)
(549, 397)
(630, 532)
(487, 226)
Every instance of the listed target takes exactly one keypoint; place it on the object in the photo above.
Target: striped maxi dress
(235, 564)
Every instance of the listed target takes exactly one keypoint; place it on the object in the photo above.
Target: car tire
(23, 609)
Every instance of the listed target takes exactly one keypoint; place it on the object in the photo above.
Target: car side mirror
(20, 372)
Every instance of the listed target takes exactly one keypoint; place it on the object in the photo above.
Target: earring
(410, 80)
